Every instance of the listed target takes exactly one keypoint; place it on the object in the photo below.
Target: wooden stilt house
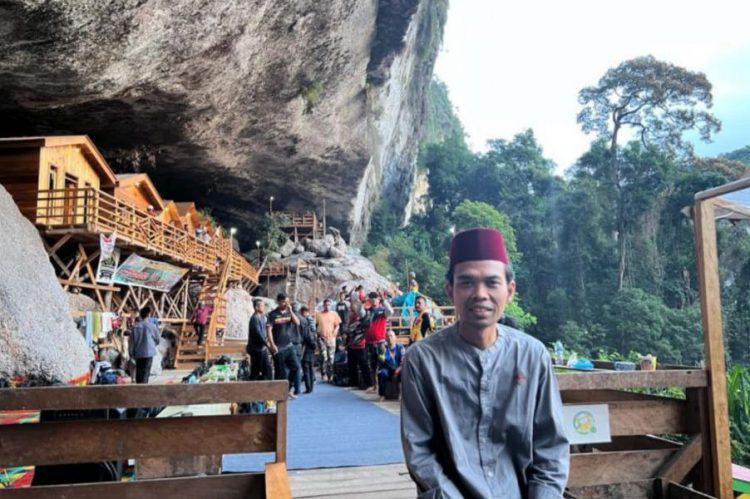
(66, 188)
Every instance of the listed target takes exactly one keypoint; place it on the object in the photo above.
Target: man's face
(480, 292)
(419, 305)
(391, 338)
(305, 313)
(326, 306)
(282, 304)
(260, 307)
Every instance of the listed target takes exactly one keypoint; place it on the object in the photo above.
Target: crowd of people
(348, 338)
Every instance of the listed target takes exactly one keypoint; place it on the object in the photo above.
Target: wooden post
(708, 283)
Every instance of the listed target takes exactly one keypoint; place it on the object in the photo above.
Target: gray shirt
(483, 423)
(143, 339)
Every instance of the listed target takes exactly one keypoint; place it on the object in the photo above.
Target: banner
(105, 270)
(145, 273)
(107, 244)
(586, 423)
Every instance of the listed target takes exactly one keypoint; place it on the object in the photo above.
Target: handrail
(97, 211)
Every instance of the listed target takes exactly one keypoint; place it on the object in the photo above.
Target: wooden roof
(83, 142)
(143, 182)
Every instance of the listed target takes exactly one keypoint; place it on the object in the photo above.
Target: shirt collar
(468, 347)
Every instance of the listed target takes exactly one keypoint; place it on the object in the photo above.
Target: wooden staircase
(189, 353)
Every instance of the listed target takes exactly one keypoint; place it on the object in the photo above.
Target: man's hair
(360, 287)
(257, 302)
(510, 275)
(145, 312)
(303, 309)
(372, 295)
(420, 298)
(280, 296)
(327, 300)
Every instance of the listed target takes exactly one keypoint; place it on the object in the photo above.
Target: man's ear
(511, 290)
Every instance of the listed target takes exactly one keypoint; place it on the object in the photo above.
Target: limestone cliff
(230, 102)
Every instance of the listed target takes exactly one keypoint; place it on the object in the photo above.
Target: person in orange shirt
(328, 323)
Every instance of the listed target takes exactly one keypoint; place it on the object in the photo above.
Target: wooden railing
(400, 323)
(95, 211)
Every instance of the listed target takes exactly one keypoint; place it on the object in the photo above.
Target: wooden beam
(683, 461)
(91, 441)
(649, 417)
(230, 486)
(107, 396)
(627, 490)
(277, 481)
(620, 380)
(710, 294)
(596, 468)
(79, 284)
(281, 412)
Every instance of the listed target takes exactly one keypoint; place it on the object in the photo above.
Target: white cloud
(514, 65)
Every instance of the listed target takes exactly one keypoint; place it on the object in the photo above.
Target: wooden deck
(390, 481)
(93, 212)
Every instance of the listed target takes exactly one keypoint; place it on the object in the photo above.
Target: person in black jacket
(257, 344)
(309, 342)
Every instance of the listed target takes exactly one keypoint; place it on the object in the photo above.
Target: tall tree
(656, 100)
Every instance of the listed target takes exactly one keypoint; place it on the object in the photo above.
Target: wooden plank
(230, 486)
(79, 284)
(697, 399)
(277, 481)
(620, 380)
(710, 294)
(636, 442)
(649, 417)
(597, 468)
(605, 396)
(107, 396)
(90, 441)
(677, 491)
(683, 461)
(281, 418)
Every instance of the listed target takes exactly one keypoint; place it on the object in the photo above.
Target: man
(200, 318)
(295, 379)
(481, 414)
(328, 323)
(421, 325)
(257, 344)
(309, 342)
(342, 308)
(359, 370)
(142, 347)
(375, 337)
(389, 370)
(282, 324)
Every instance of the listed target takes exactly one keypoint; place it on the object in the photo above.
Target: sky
(511, 65)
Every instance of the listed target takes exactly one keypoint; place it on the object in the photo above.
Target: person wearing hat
(481, 414)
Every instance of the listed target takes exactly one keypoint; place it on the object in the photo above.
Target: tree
(470, 214)
(659, 102)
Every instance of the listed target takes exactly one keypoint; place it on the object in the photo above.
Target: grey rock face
(37, 333)
(230, 102)
(239, 310)
(287, 248)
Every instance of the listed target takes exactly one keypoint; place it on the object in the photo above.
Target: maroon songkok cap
(478, 244)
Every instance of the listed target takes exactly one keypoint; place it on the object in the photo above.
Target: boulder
(78, 302)
(37, 334)
(299, 249)
(287, 248)
(239, 310)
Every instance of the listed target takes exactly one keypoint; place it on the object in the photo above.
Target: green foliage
(271, 236)
(311, 93)
(441, 120)
(738, 389)
(658, 100)
(470, 214)
(742, 155)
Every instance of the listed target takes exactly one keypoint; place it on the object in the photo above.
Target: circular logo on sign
(583, 422)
